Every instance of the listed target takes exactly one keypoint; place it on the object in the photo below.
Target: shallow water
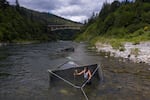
(23, 74)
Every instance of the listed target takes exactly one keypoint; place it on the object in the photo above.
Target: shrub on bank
(135, 51)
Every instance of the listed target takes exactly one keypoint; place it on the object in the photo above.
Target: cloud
(40, 5)
(76, 10)
(77, 18)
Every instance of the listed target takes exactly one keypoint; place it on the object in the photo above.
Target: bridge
(62, 27)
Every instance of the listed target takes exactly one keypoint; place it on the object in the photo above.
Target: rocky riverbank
(139, 53)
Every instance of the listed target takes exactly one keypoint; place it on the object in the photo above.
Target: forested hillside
(18, 24)
(118, 22)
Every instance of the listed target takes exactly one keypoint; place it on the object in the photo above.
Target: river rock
(143, 48)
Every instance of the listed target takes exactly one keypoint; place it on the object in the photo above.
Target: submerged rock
(63, 91)
(70, 49)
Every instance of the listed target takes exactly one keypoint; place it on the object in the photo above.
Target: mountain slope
(48, 17)
(120, 21)
(18, 24)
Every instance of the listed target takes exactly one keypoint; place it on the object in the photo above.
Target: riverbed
(24, 76)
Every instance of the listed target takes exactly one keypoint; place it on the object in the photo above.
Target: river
(24, 76)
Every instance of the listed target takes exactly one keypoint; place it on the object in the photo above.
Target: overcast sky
(76, 10)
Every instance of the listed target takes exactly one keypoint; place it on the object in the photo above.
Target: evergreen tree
(116, 4)
(127, 1)
(3, 3)
(125, 19)
(17, 5)
(142, 0)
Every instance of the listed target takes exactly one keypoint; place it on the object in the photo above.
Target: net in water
(63, 77)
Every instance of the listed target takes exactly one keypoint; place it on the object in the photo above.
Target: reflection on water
(23, 74)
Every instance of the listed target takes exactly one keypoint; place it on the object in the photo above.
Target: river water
(24, 76)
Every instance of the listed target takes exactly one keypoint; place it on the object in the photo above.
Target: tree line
(18, 24)
(119, 20)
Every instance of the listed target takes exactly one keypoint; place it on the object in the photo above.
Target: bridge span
(62, 27)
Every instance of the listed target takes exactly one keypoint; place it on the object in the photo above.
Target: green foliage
(21, 24)
(145, 17)
(146, 28)
(135, 51)
(120, 22)
(67, 34)
(117, 32)
(134, 27)
(117, 44)
(142, 0)
(3, 4)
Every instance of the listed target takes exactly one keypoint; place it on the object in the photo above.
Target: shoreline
(17, 43)
(3, 44)
(139, 53)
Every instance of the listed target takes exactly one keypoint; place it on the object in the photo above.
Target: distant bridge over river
(62, 27)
